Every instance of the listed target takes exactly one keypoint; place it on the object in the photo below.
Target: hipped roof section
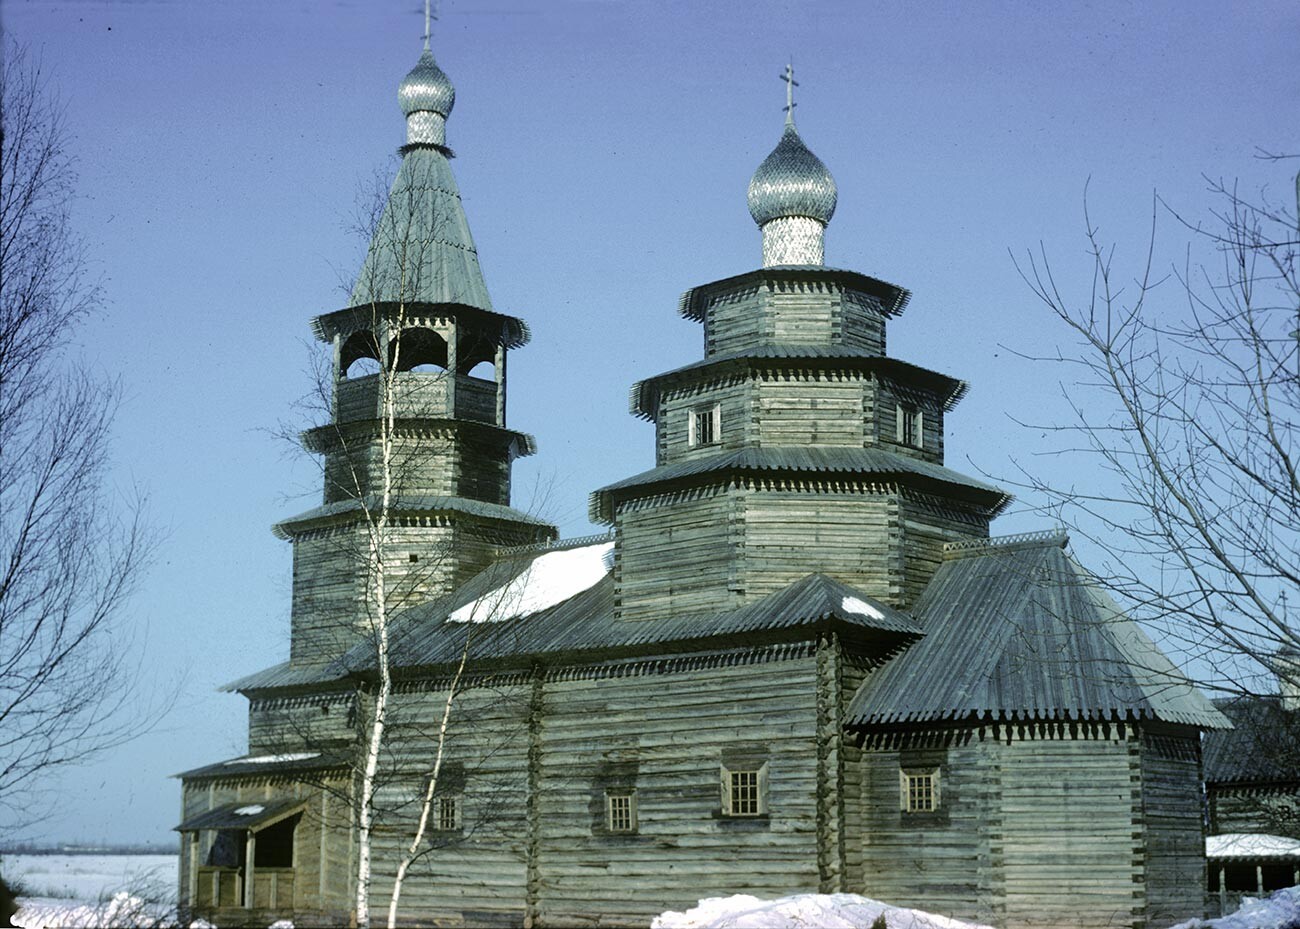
(800, 462)
(1262, 748)
(644, 400)
(1017, 631)
(890, 298)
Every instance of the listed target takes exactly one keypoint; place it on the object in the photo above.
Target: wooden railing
(224, 887)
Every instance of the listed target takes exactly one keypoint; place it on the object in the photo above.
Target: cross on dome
(790, 85)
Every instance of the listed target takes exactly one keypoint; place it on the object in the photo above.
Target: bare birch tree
(371, 469)
(1186, 395)
(69, 558)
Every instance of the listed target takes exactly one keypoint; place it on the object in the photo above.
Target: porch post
(250, 854)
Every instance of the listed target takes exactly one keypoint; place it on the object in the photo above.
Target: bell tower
(796, 446)
(416, 453)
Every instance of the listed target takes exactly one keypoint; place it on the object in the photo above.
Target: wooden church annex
(797, 663)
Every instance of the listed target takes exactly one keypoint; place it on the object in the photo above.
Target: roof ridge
(554, 545)
(1046, 538)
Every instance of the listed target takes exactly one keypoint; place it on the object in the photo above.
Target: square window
(620, 812)
(448, 814)
(705, 425)
(919, 791)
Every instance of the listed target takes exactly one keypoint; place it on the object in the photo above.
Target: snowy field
(78, 890)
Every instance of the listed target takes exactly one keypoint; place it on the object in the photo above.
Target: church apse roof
(1016, 630)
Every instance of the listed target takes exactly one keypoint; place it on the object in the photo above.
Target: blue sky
(603, 152)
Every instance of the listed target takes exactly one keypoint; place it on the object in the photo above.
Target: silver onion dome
(791, 181)
(426, 89)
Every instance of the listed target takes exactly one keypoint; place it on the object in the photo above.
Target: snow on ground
(552, 578)
(825, 911)
(1280, 910)
(89, 878)
(91, 890)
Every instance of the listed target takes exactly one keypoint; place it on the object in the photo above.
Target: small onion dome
(791, 181)
(426, 89)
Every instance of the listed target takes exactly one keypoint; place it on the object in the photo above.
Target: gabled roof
(1018, 631)
(1263, 747)
(891, 298)
(645, 394)
(422, 250)
(848, 461)
(584, 627)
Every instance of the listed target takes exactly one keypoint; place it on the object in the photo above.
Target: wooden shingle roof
(1020, 632)
(584, 627)
(1263, 747)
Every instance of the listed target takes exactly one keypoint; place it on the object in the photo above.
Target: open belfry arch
(798, 661)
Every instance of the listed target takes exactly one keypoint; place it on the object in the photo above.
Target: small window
(919, 791)
(744, 791)
(705, 426)
(620, 811)
(909, 425)
(414, 558)
(448, 814)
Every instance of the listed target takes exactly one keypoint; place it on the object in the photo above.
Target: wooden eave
(891, 298)
(644, 398)
(851, 465)
(511, 331)
(409, 505)
(335, 436)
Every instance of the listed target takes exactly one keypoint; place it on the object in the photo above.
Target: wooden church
(797, 663)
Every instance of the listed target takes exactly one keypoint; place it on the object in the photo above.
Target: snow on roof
(1250, 845)
(830, 911)
(274, 759)
(251, 810)
(552, 578)
(861, 607)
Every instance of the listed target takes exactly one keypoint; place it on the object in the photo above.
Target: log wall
(791, 313)
(1173, 822)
